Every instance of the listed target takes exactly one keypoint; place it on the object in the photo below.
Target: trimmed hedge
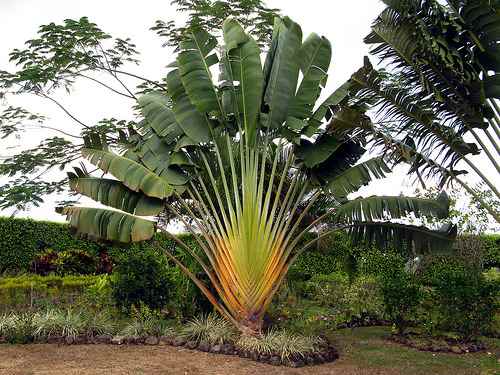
(27, 291)
(22, 239)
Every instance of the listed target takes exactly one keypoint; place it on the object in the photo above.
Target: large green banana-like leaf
(385, 208)
(194, 124)
(385, 234)
(245, 67)
(283, 63)
(97, 223)
(490, 58)
(345, 156)
(162, 160)
(334, 99)
(114, 194)
(347, 119)
(155, 108)
(194, 68)
(315, 153)
(357, 176)
(133, 175)
(315, 56)
(483, 16)
(388, 32)
(271, 54)
(492, 86)
(413, 116)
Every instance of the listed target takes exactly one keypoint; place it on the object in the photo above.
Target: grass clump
(67, 323)
(148, 327)
(147, 322)
(210, 328)
(281, 343)
(99, 323)
(25, 327)
(17, 328)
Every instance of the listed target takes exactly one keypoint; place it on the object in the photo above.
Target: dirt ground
(106, 359)
(363, 351)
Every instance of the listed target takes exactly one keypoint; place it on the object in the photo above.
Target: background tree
(469, 215)
(434, 101)
(229, 158)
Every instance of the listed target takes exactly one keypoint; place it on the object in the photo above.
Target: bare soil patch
(111, 359)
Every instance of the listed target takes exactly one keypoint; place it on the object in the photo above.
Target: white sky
(344, 23)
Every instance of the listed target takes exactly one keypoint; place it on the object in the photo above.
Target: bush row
(32, 291)
(456, 300)
(22, 239)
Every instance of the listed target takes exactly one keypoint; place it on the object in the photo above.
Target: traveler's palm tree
(247, 165)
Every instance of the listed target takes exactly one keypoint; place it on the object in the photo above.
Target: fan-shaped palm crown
(245, 165)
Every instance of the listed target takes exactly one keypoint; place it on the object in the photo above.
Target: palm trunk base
(251, 327)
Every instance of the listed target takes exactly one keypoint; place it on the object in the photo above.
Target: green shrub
(210, 328)
(146, 322)
(493, 274)
(17, 328)
(379, 263)
(76, 262)
(22, 239)
(68, 262)
(44, 263)
(29, 291)
(141, 277)
(363, 298)
(402, 295)
(466, 302)
(432, 268)
(325, 301)
(327, 257)
(314, 263)
(185, 298)
(97, 296)
(327, 290)
(491, 251)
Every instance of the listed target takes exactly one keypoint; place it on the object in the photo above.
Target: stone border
(364, 322)
(430, 345)
(326, 354)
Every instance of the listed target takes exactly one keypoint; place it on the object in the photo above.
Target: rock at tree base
(152, 340)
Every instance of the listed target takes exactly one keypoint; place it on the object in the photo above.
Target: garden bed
(438, 344)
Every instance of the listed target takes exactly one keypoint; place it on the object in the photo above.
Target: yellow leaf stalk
(248, 229)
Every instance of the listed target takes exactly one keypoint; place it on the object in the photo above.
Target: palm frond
(133, 175)
(390, 207)
(114, 194)
(102, 224)
(386, 234)
(352, 179)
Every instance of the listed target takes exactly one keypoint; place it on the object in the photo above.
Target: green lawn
(369, 348)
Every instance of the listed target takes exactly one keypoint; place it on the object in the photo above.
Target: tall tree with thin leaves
(438, 106)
